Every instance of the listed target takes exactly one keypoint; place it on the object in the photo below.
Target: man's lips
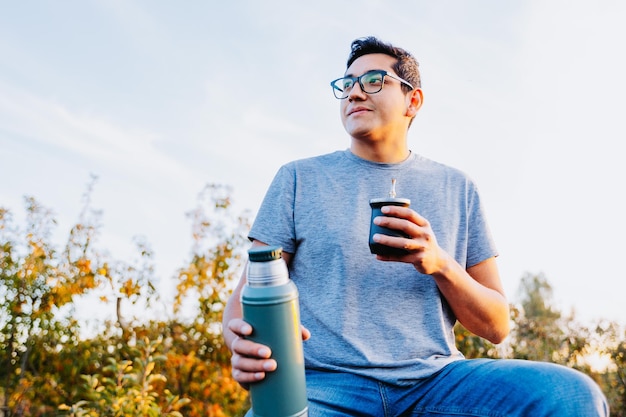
(358, 110)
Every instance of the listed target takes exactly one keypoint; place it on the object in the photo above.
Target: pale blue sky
(158, 98)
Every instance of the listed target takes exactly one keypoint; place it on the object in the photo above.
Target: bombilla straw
(392, 193)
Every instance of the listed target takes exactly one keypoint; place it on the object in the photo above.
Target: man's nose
(356, 92)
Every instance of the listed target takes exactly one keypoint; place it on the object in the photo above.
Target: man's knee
(568, 392)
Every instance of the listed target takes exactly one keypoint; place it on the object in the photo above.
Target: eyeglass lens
(371, 82)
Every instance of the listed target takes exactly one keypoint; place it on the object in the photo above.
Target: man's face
(375, 116)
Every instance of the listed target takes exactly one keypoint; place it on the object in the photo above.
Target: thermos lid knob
(265, 253)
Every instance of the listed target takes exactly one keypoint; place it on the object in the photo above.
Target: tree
(541, 332)
(165, 366)
(216, 259)
(36, 283)
(193, 366)
(611, 341)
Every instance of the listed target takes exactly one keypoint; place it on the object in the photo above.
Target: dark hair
(406, 65)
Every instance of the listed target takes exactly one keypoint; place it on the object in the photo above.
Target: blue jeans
(474, 387)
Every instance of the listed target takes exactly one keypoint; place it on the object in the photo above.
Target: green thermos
(270, 305)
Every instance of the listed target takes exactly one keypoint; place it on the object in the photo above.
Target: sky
(159, 98)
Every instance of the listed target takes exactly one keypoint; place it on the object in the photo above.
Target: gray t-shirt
(379, 319)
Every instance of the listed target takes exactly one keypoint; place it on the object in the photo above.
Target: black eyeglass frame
(355, 80)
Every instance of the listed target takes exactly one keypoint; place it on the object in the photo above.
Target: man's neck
(380, 152)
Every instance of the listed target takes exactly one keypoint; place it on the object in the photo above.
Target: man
(380, 328)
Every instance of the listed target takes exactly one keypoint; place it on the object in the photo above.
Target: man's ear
(416, 98)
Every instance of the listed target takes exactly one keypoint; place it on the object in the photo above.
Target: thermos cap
(265, 253)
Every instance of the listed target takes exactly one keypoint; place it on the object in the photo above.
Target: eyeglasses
(371, 83)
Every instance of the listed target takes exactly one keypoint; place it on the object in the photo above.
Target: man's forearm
(477, 301)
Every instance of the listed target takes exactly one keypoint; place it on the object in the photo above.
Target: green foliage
(133, 367)
(541, 332)
(35, 284)
(128, 388)
(612, 346)
(198, 353)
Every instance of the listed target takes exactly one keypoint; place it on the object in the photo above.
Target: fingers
(410, 245)
(403, 220)
(404, 213)
(249, 360)
(240, 327)
(243, 347)
(249, 369)
(420, 243)
(248, 348)
(406, 221)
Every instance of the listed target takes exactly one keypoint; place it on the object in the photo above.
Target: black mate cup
(376, 204)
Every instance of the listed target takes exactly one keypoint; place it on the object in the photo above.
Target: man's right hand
(249, 360)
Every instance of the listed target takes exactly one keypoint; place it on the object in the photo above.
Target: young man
(380, 328)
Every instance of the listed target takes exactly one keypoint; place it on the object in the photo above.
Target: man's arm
(477, 298)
